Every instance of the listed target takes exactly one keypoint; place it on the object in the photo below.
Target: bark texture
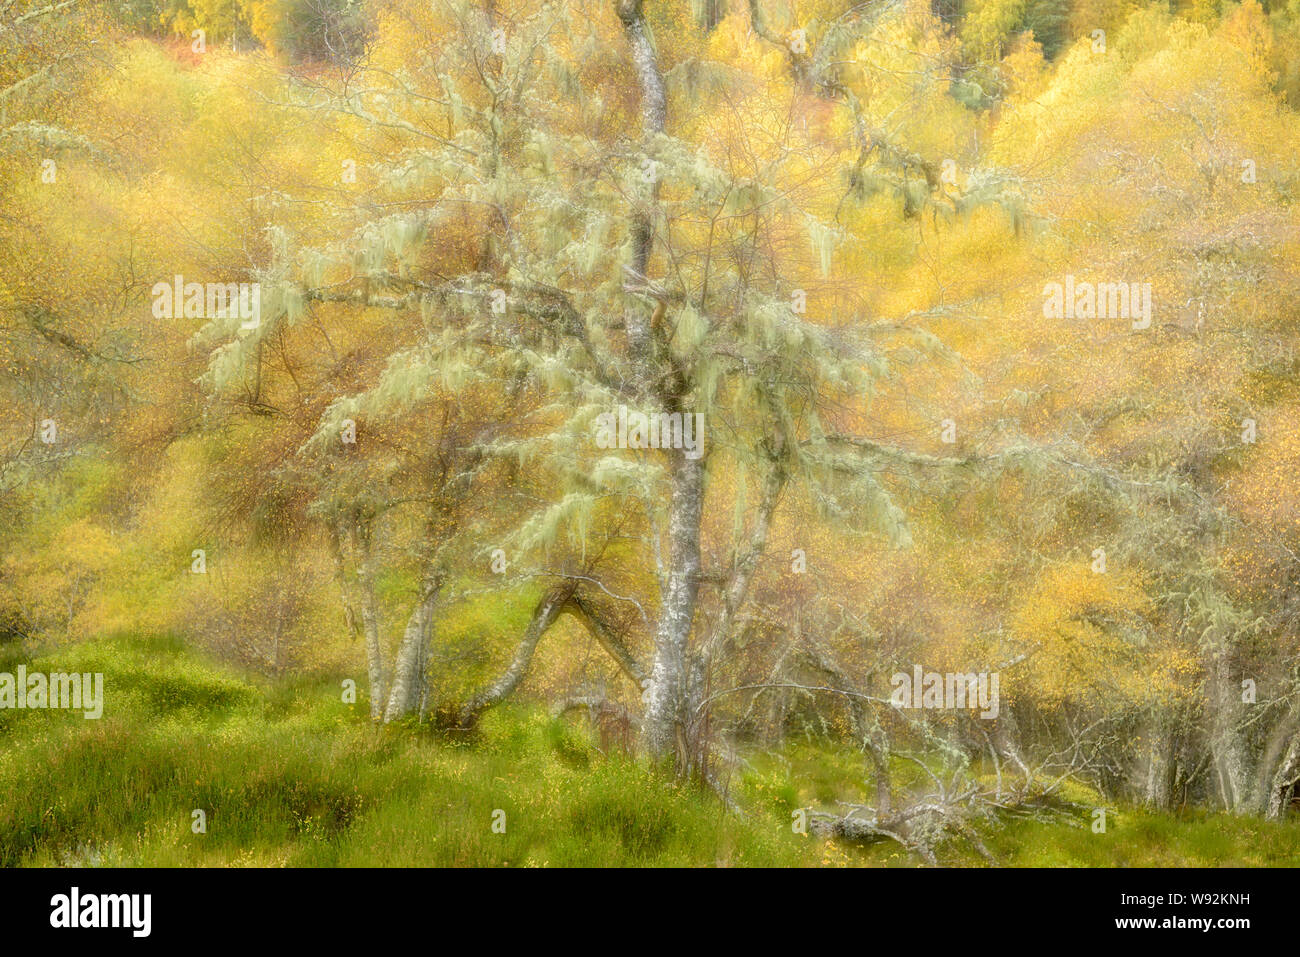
(665, 695)
(370, 628)
(654, 116)
(408, 667)
(544, 615)
(1283, 786)
(1226, 741)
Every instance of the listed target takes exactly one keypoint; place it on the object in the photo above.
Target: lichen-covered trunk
(371, 627)
(350, 540)
(654, 117)
(665, 696)
(408, 666)
(1283, 786)
(664, 722)
(544, 615)
(1226, 742)
(1154, 777)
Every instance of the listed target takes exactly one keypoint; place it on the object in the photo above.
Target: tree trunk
(354, 539)
(547, 611)
(370, 628)
(654, 116)
(664, 697)
(1282, 788)
(867, 729)
(1156, 781)
(607, 637)
(665, 701)
(1226, 743)
(338, 535)
(408, 670)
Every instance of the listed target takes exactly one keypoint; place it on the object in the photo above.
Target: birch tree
(543, 218)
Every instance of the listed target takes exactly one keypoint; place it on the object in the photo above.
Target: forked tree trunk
(1226, 743)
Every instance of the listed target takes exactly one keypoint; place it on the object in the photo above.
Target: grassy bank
(288, 774)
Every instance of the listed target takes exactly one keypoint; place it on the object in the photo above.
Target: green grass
(288, 774)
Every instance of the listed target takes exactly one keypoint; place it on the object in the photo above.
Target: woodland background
(477, 226)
